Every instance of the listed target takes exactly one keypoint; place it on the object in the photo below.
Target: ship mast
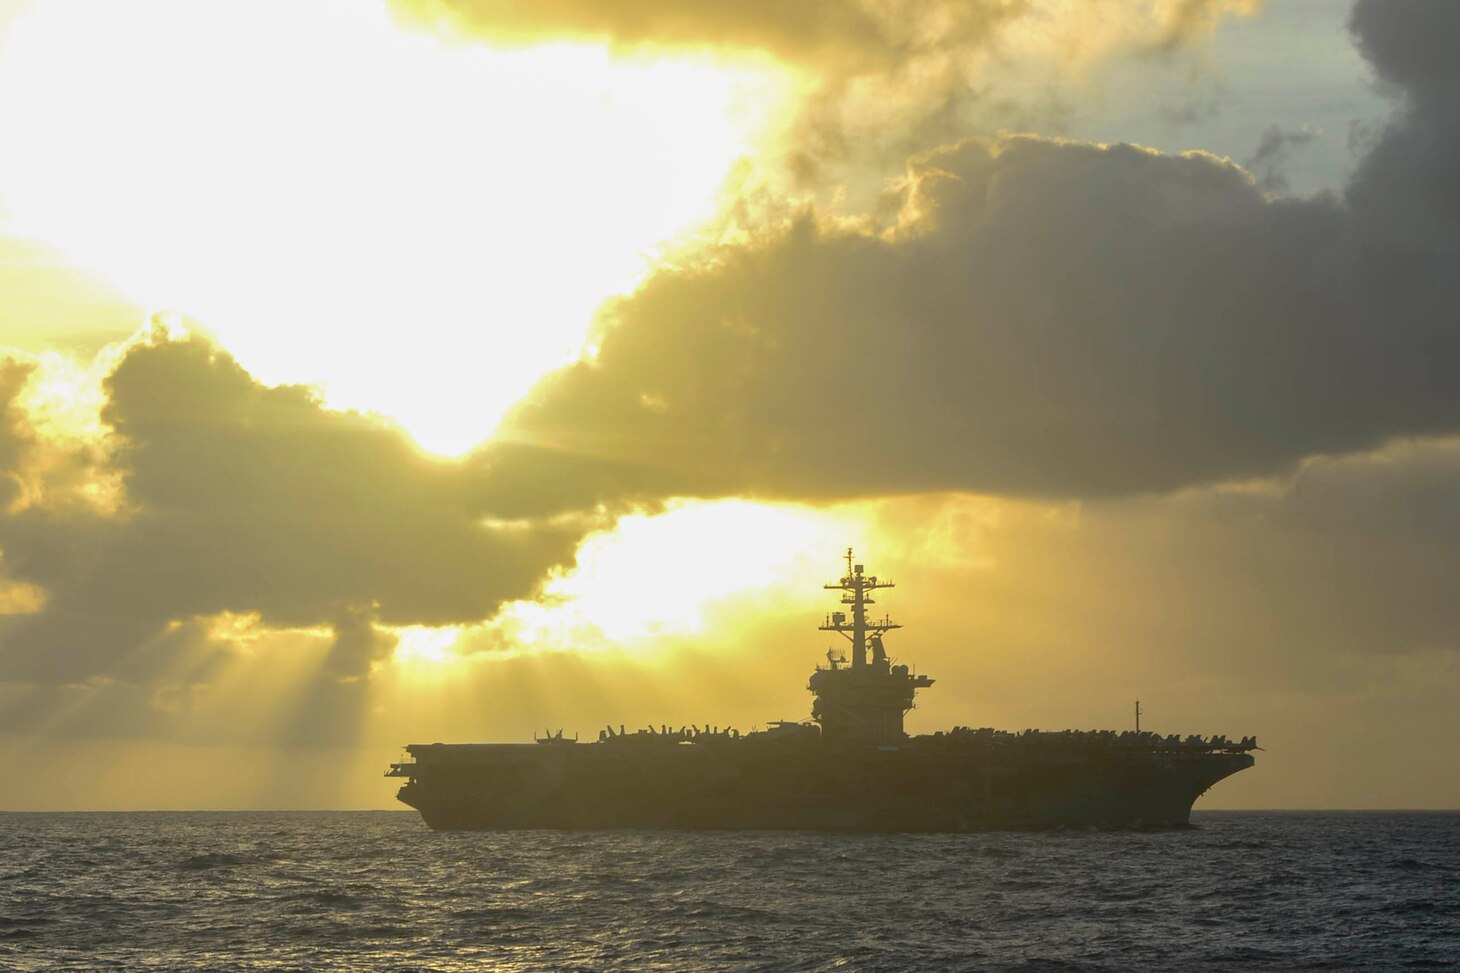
(864, 703)
(855, 587)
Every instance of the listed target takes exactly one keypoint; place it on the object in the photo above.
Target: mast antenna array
(856, 587)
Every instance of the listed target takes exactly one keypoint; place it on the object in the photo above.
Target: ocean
(379, 891)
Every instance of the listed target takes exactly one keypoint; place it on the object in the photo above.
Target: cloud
(1035, 318)
(246, 498)
(833, 33)
(833, 36)
(1409, 183)
(878, 79)
(873, 75)
(1268, 162)
(1409, 42)
(1045, 318)
(1051, 318)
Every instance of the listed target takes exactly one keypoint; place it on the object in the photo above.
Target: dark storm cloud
(1411, 43)
(246, 498)
(1410, 180)
(1051, 318)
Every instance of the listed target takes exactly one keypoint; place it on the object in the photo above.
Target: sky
(377, 372)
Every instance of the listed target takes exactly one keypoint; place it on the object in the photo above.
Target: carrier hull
(809, 787)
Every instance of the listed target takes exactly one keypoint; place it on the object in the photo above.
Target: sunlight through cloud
(422, 229)
(676, 573)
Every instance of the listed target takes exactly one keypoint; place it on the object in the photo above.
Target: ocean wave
(212, 859)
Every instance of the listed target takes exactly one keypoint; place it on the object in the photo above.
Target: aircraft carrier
(850, 768)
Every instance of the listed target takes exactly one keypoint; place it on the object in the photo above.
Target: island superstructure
(853, 767)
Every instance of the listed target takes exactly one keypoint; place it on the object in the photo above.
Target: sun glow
(420, 228)
(63, 399)
(679, 573)
(419, 644)
(698, 569)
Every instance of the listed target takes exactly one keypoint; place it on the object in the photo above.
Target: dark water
(378, 891)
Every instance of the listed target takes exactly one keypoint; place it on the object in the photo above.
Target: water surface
(379, 891)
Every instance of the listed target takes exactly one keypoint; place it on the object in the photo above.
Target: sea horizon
(406, 810)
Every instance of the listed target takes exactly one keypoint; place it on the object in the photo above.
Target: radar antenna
(856, 587)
